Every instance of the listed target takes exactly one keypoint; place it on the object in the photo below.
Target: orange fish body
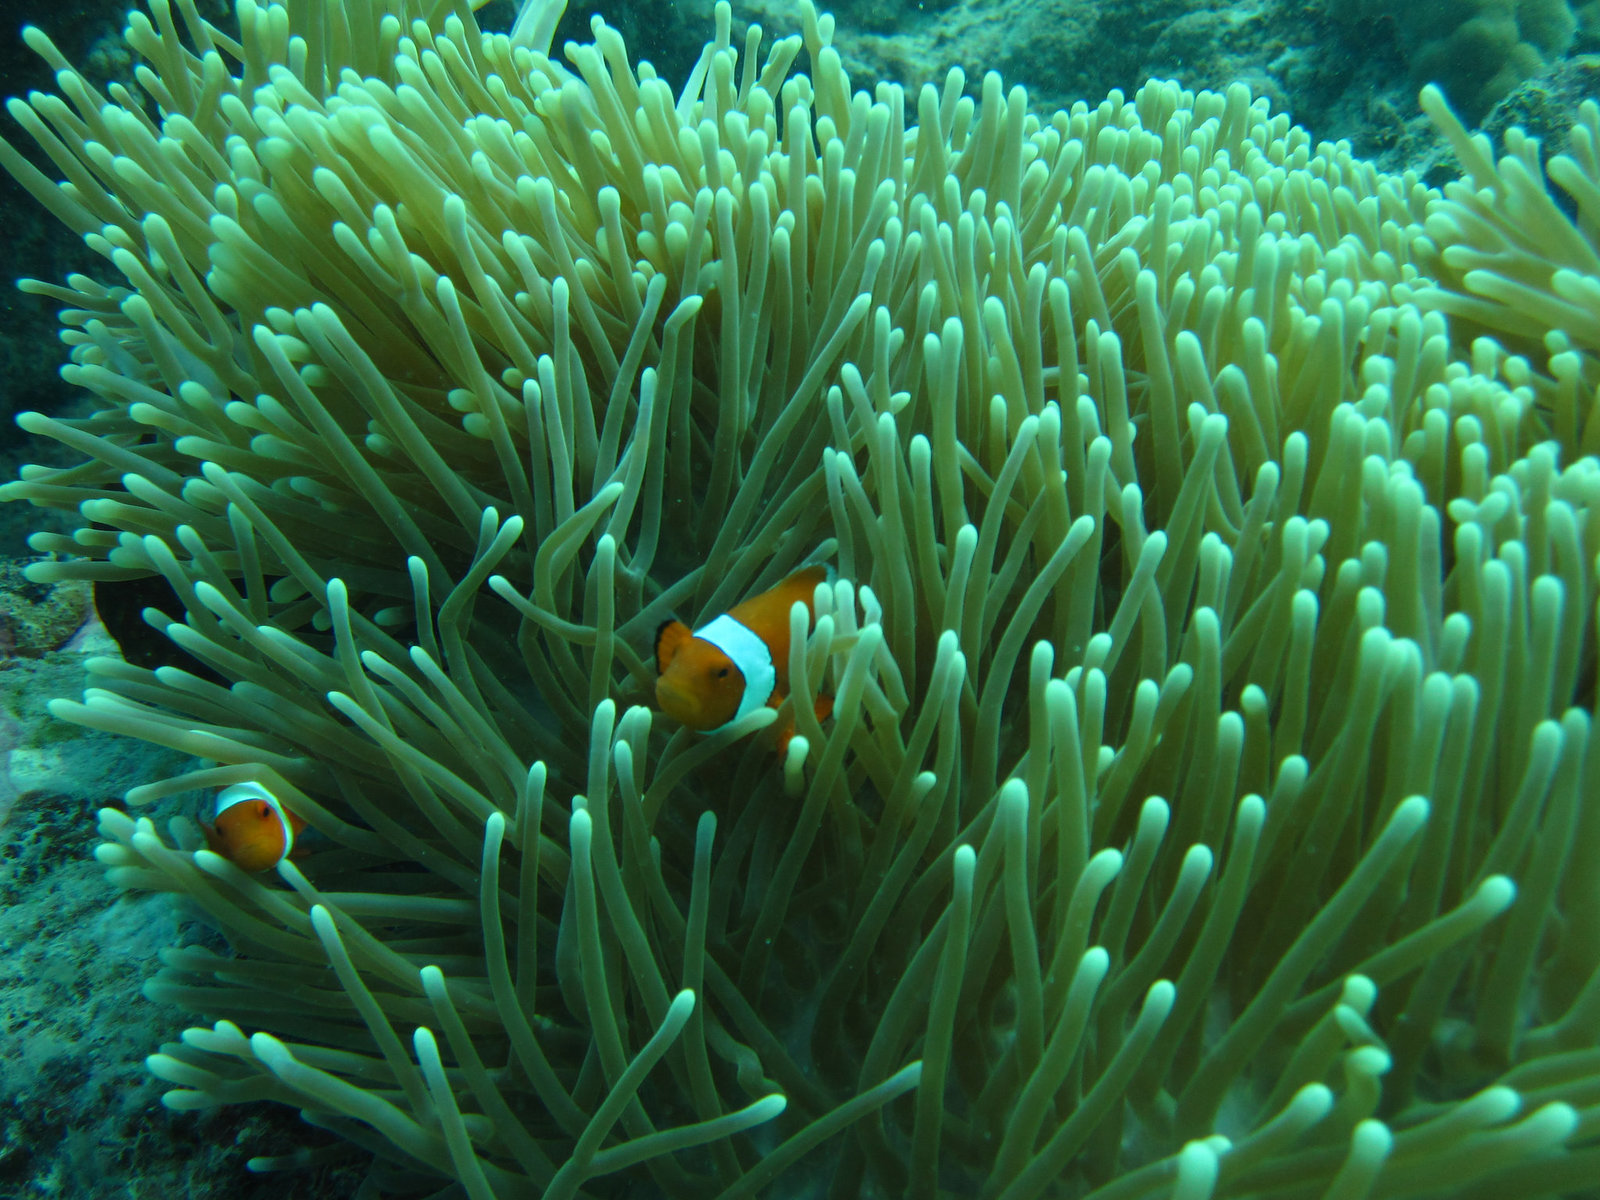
(252, 828)
(738, 662)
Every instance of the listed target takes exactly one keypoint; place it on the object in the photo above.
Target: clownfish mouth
(678, 704)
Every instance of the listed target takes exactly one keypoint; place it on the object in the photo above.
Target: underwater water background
(79, 1116)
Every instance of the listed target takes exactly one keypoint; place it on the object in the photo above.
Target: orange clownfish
(252, 828)
(737, 663)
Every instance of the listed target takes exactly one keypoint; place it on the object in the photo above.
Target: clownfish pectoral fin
(670, 638)
(823, 708)
(783, 726)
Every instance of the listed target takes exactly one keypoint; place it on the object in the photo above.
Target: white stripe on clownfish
(750, 656)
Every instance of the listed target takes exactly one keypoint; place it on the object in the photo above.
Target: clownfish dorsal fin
(813, 575)
(670, 638)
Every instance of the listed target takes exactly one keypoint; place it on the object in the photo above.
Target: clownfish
(737, 663)
(252, 828)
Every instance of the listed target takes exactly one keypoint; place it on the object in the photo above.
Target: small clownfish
(737, 663)
(252, 828)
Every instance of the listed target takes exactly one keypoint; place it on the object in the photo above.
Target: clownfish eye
(722, 672)
(263, 810)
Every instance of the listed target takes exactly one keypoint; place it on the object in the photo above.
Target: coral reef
(36, 617)
(1477, 50)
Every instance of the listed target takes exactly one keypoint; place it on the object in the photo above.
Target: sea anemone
(1207, 804)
